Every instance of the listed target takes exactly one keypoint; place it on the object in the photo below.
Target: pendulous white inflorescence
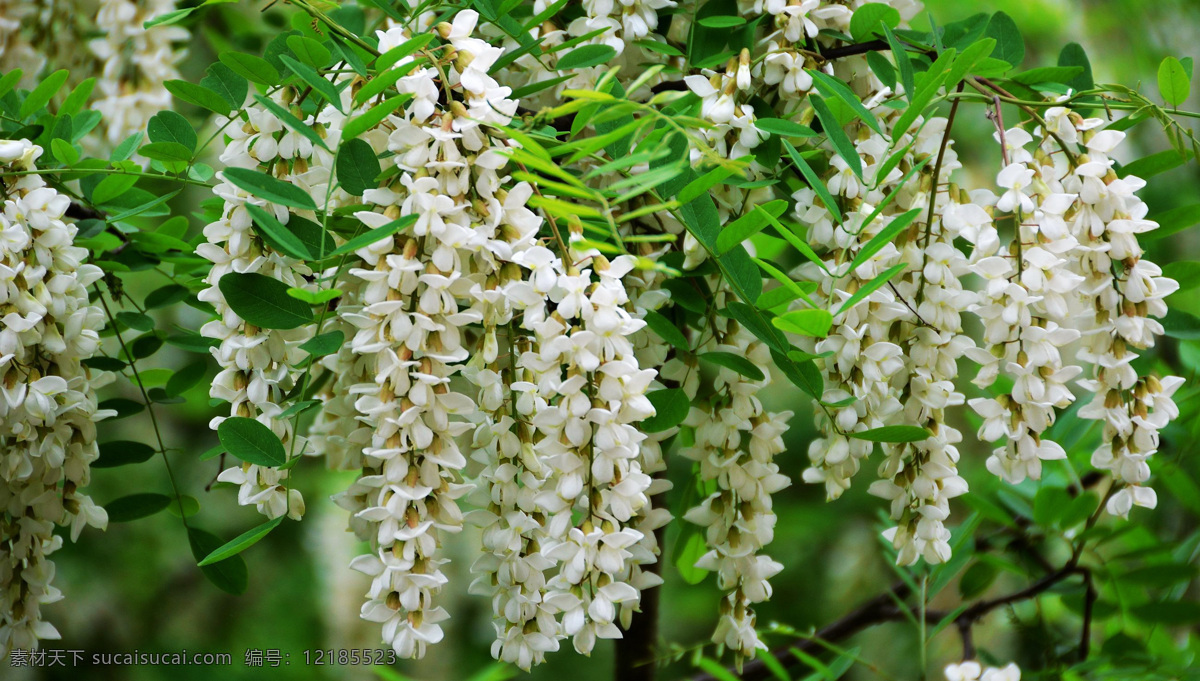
(48, 408)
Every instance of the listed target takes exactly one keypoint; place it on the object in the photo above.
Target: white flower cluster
(135, 63)
(971, 670)
(16, 50)
(1072, 272)
(736, 441)
(500, 362)
(48, 409)
(259, 366)
(557, 384)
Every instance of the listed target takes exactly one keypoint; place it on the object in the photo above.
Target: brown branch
(937, 181)
(883, 608)
(635, 650)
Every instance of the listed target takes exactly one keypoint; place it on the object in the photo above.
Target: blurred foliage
(136, 587)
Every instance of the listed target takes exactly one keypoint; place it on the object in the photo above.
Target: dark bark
(635, 650)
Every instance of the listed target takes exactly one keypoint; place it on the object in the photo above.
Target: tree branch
(883, 609)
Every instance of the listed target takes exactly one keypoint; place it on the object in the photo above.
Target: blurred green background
(135, 587)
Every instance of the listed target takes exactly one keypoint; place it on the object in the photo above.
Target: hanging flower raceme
(136, 62)
(973, 671)
(48, 409)
(260, 366)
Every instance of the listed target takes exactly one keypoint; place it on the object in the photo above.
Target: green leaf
(971, 56)
(314, 297)
(314, 80)
(198, 95)
(136, 320)
(309, 51)
(666, 330)
(784, 128)
(125, 149)
(837, 136)
(251, 441)
(748, 225)
(122, 453)
(191, 506)
(290, 120)
(135, 506)
(703, 183)
(229, 575)
(721, 22)
(1073, 54)
(9, 81)
(75, 101)
(186, 377)
(315, 238)
(374, 235)
(976, 580)
(1049, 505)
(1010, 46)
(263, 301)
(224, 81)
(813, 323)
(105, 363)
(267, 187)
(772, 663)
(836, 89)
(735, 363)
(1047, 74)
(145, 345)
(241, 542)
(43, 93)
(389, 58)
(758, 324)
(1186, 272)
(1154, 164)
(64, 151)
(383, 81)
(372, 117)
(882, 68)
(892, 434)
(1173, 82)
(931, 81)
(124, 407)
(903, 63)
(671, 406)
(864, 291)
(585, 56)
(1170, 613)
(1161, 576)
(1174, 220)
(357, 166)
(169, 152)
(324, 344)
(865, 20)
(169, 17)
(803, 374)
(814, 182)
(686, 562)
(250, 67)
(166, 295)
(1181, 325)
(112, 187)
(884, 237)
(715, 670)
(193, 342)
(276, 234)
